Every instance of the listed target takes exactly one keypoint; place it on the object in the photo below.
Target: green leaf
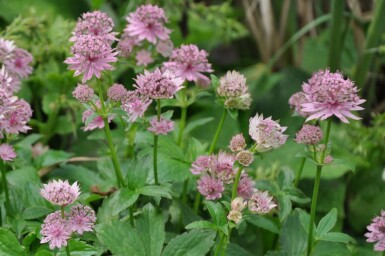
(285, 206)
(35, 212)
(155, 191)
(193, 243)
(263, 222)
(285, 178)
(214, 81)
(324, 248)
(54, 157)
(304, 218)
(44, 253)
(122, 199)
(293, 238)
(327, 223)
(233, 113)
(216, 213)
(78, 248)
(201, 224)
(9, 245)
(338, 237)
(196, 123)
(137, 173)
(297, 195)
(28, 239)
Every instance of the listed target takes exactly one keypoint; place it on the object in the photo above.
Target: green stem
(226, 242)
(130, 152)
(63, 217)
(236, 183)
(219, 247)
(313, 209)
(183, 116)
(197, 202)
(155, 158)
(218, 131)
(184, 192)
(298, 176)
(5, 186)
(326, 139)
(335, 34)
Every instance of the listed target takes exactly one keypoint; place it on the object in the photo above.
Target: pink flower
(245, 187)
(201, 165)
(330, 94)
(116, 92)
(82, 218)
(377, 232)
(238, 204)
(296, 101)
(60, 192)
(91, 56)
(95, 24)
(15, 119)
(55, 230)
(6, 49)
(147, 23)
(261, 202)
(157, 84)
(19, 63)
(235, 216)
(210, 187)
(233, 84)
(143, 58)
(237, 143)
(222, 167)
(163, 126)
(125, 46)
(96, 123)
(83, 93)
(7, 153)
(267, 133)
(309, 135)
(245, 157)
(188, 62)
(135, 107)
(165, 48)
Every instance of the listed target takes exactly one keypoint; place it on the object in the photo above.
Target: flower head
(201, 165)
(222, 167)
(157, 84)
(19, 63)
(377, 232)
(116, 92)
(188, 62)
(261, 202)
(135, 106)
(235, 216)
(237, 143)
(125, 46)
(6, 49)
(296, 100)
(161, 126)
(309, 135)
(210, 187)
(267, 133)
(97, 122)
(83, 93)
(147, 23)
(60, 192)
(245, 187)
(55, 230)
(233, 84)
(15, 119)
(82, 218)
(7, 153)
(143, 58)
(238, 204)
(330, 94)
(245, 157)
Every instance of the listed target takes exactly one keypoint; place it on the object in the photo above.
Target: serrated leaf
(285, 178)
(35, 212)
(293, 238)
(327, 223)
(263, 222)
(285, 206)
(338, 237)
(304, 218)
(193, 243)
(122, 199)
(78, 248)
(201, 224)
(155, 191)
(9, 245)
(216, 212)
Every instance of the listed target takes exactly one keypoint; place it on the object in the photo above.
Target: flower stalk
(155, 158)
(5, 186)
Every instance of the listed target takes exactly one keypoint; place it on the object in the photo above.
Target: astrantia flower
(267, 133)
(157, 84)
(210, 187)
(161, 126)
(95, 23)
(222, 167)
(135, 107)
(82, 218)
(6, 48)
(238, 204)
(245, 187)
(188, 62)
(60, 192)
(233, 84)
(261, 202)
(83, 93)
(309, 135)
(245, 157)
(330, 94)
(96, 123)
(91, 56)
(55, 230)
(165, 48)
(5, 79)
(143, 58)
(19, 63)
(296, 100)
(7, 153)
(235, 216)
(377, 232)
(201, 165)
(15, 119)
(237, 143)
(125, 46)
(116, 92)
(147, 23)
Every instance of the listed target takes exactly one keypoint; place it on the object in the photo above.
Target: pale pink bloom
(296, 101)
(55, 230)
(135, 107)
(125, 46)
(245, 157)
(261, 202)
(210, 187)
(147, 23)
(309, 135)
(83, 93)
(96, 123)
(7, 153)
(116, 92)
(237, 143)
(238, 204)
(19, 63)
(60, 192)
(157, 84)
(95, 24)
(267, 133)
(165, 48)
(82, 218)
(233, 84)
(245, 187)
(223, 167)
(377, 232)
(161, 126)
(15, 119)
(235, 216)
(6, 49)
(5, 79)
(38, 149)
(330, 94)
(188, 62)
(91, 56)
(143, 58)
(201, 165)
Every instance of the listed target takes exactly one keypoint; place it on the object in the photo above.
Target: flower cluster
(7, 153)
(161, 126)
(58, 226)
(92, 51)
(232, 87)
(377, 232)
(296, 101)
(309, 135)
